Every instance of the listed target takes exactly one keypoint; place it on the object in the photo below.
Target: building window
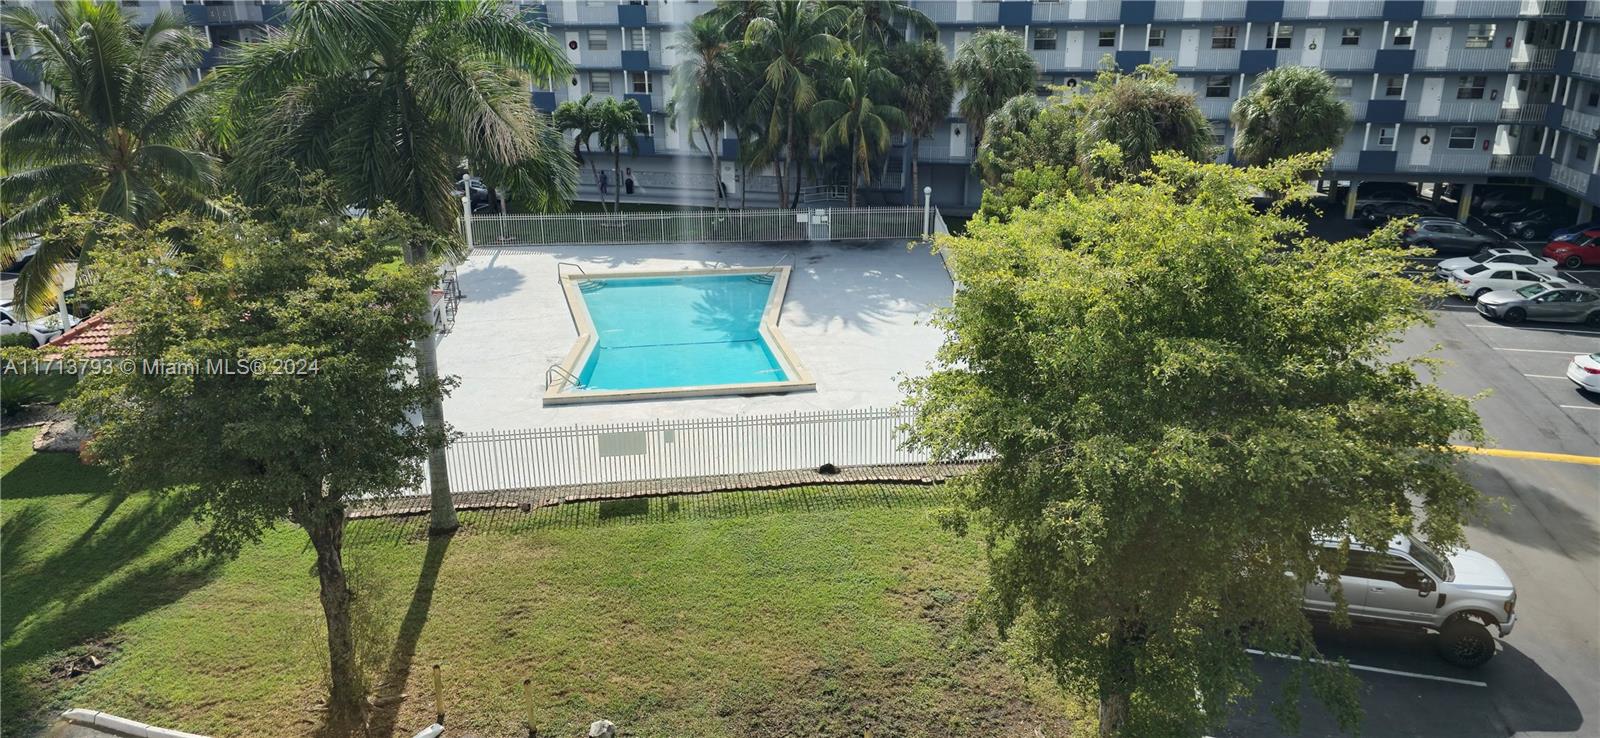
(1343, 86)
(639, 82)
(1282, 37)
(1108, 38)
(649, 125)
(1044, 39)
(1219, 134)
(637, 39)
(1463, 137)
(597, 39)
(1394, 86)
(1402, 35)
(1594, 99)
(1041, 85)
(600, 83)
(5, 46)
(1581, 152)
(1219, 85)
(1352, 36)
(1480, 35)
(1224, 37)
(1386, 137)
(1471, 88)
(1158, 38)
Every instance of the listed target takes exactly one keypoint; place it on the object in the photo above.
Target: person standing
(604, 180)
(627, 181)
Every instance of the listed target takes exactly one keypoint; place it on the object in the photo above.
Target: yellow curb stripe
(1532, 455)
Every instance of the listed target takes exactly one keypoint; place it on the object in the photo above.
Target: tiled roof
(93, 335)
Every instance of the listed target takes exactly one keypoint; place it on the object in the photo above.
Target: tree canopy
(1180, 394)
(991, 68)
(1289, 110)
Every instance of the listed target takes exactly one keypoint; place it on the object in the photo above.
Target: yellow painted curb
(1531, 455)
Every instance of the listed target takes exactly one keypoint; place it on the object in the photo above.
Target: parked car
(1584, 371)
(1445, 235)
(1555, 301)
(482, 197)
(41, 330)
(1408, 585)
(1567, 233)
(1528, 224)
(1504, 257)
(1582, 249)
(1382, 210)
(1501, 198)
(1478, 279)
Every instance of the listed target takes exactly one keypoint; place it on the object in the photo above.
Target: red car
(1582, 249)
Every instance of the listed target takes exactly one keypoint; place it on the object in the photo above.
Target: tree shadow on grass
(397, 671)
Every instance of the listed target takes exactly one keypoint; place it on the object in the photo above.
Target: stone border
(530, 498)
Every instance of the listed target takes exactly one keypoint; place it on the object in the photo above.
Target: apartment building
(1464, 92)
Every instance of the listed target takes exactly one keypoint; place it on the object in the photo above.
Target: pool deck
(856, 314)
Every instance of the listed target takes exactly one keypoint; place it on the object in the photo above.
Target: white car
(1584, 371)
(41, 329)
(1507, 257)
(1481, 278)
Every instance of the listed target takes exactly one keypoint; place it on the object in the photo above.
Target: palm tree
(617, 124)
(991, 67)
(1141, 113)
(1289, 110)
(578, 116)
(926, 90)
(115, 136)
(388, 99)
(878, 22)
(704, 87)
(855, 120)
(790, 42)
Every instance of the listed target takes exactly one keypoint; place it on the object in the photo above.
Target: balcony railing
(1511, 164)
(1220, 59)
(966, 11)
(1539, 60)
(1525, 114)
(1587, 124)
(940, 151)
(1475, 163)
(1345, 160)
(1334, 9)
(1061, 12)
(1473, 111)
(1467, 59)
(1586, 63)
(1358, 109)
(1572, 179)
(1167, 10)
(1341, 58)
(1216, 108)
(1472, 9)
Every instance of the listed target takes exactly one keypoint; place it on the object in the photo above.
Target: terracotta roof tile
(93, 335)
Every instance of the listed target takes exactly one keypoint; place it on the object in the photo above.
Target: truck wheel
(1465, 643)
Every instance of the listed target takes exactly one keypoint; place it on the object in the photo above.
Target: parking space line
(1511, 453)
(1393, 672)
(1579, 407)
(1535, 351)
(1579, 331)
(1542, 376)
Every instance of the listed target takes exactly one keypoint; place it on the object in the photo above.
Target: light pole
(466, 208)
(927, 212)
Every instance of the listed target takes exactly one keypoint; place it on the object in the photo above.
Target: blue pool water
(677, 332)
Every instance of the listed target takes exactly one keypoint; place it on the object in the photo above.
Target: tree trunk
(716, 167)
(443, 518)
(1113, 714)
(616, 175)
(916, 184)
(346, 692)
(1117, 684)
(852, 173)
(793, 163)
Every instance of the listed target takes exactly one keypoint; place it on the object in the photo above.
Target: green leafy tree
(991, 68)
(113, 136)
(1167, 443)
(1005, 129)
(1141, 113)
(858, 119)
(1289, 110)
(704, 87)
(389, 99)
(926, 91)
(319, 306)
(617, 125)
(790, 42)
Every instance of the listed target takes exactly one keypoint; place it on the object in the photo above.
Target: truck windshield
(1436, 564)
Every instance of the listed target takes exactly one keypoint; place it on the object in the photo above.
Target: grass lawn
(817, 611)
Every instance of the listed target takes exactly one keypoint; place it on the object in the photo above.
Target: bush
(18, 391)
(24, 340)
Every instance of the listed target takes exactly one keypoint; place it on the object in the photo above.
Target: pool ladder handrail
(574, 265)
(767, 275)
(561, 372)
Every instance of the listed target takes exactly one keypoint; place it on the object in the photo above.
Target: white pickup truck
(1408, 585)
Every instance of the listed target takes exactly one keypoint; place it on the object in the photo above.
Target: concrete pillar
(1438, 189)
(1350, 201)
(1464, 207)
(1585, 212)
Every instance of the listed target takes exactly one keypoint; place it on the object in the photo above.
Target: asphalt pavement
(1541, 521)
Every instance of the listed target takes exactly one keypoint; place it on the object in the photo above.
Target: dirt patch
(82, 660)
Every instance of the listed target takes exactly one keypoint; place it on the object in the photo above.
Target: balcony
(1345, 161)
(1358, 109)
(584, 13)
(1463, 163)
(1539, 60)
(967, 12)
(1215, 108)
(1045, 13)
(231, 13)
(1207, 10)
(940, 151)
(1510, 165)
(1333, 9)
(1572, 179)
(1524, 114)
(1462, 111)
(1584, 124)
(1472, 9)
(604, 59)
(1494, 60)
(1586, 63)
(1544, 8)
(1224, 60)
(1347, 58)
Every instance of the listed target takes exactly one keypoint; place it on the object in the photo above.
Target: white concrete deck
(857, 315)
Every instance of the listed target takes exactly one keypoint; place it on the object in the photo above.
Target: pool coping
(560, 392)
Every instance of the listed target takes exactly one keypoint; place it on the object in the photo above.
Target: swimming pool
(694, 333)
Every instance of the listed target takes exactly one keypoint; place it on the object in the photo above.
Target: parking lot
(1541, 522)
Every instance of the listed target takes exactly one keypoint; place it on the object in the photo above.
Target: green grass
(814, 611)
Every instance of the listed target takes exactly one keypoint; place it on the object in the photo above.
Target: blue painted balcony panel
(1016, 12)
(1394, 61)
(1386, 111)
(1377, 162)
(1130, 60)
(1256, 61)
(631, 16)
(1138, 11)
(636, 61)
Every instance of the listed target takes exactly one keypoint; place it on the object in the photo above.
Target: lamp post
(927, 212)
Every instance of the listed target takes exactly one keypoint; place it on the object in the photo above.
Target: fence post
(927, 212)
(527, 706)
(438, 696)
(466, 208)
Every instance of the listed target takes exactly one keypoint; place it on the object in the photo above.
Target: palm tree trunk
(852, 172)
(443, 518)
(716, 166)
(616, 174)
(346, 692)
(793, 162)
(916, 184)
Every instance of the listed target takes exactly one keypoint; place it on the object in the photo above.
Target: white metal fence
(697, 227)
(671, 449)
